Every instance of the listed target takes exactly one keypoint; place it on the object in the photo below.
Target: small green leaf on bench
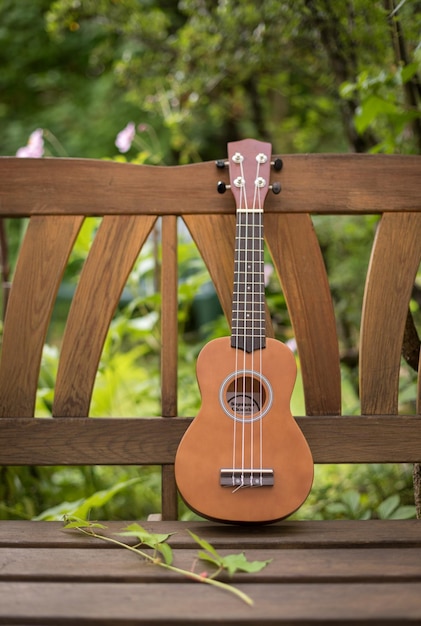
(232, 563)
(156, 541)
(70, 521)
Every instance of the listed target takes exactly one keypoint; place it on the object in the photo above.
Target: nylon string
(253, 274)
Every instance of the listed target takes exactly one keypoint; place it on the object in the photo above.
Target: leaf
(76, 522)
(156, 541)
(391, 509)
(352, 501)
(205, 556)
(239, 563)
(136, 530)
(404, 512)
(81, 508)
(408, 72)
(232, 562)
(388, 506)
(166, 552)
(372, 108)
(204, 544)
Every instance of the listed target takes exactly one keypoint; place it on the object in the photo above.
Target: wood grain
(42, 260)
(311, 565)
(113, 253)
(117, 604)
(215, 240)
(122, 441)
(169, 317)
(288, 534)
(342, 572)
(297, 257)
(394, 263)
(335, 183)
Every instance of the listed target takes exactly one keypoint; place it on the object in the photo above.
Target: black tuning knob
(276, 188)
(220, 164)
(278, 165)
(221, 187)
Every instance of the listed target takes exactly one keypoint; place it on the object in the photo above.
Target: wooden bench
(341, 572)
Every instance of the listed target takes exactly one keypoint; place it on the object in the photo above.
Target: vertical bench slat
(297, 257)
(169, 317)
(113, 253)
(394, 262)
(419, 386)
(169, 351)
(214, 236)
(42, 259)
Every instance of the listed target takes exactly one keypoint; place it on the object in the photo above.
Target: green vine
(162, 554)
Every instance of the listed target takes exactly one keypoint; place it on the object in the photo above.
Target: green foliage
(373, 491)
(202, 72)
(56, 85)
(383, 108)
(50, 492)
(82, 508)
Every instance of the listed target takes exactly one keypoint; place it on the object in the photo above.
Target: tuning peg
(220, 164)
(277, 165)
(222, 187)
(276, 188)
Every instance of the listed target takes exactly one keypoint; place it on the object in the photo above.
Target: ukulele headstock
(249, 163)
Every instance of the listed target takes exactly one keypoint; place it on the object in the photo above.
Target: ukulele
(244, 459)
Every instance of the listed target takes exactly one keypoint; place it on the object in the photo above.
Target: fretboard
(248, 303)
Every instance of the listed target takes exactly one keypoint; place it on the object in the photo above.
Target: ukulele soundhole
(246, 396)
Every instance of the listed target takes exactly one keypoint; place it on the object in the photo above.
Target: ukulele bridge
(230, 477)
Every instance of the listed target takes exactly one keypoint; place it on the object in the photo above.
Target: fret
(257, 336)
(253, 317)
(250, 286)
(248, 256)
(249, 331)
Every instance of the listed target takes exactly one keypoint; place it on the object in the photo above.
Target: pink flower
(35, 147)
(292, 344)
(125, 137)
(268, 271)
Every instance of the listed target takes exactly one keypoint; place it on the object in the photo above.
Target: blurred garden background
(181, 79)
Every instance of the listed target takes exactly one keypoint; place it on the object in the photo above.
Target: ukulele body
(244, 459)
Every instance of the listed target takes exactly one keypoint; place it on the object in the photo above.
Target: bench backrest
(57, 194)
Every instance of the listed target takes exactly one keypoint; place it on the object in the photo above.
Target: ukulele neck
(248, 304)
(249, 165)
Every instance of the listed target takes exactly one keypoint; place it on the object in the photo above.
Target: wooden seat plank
(112, 604)
(113, 253)
(395, 259)
(41, 263)
(283, 535)
(298, 260)
(287, 565)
